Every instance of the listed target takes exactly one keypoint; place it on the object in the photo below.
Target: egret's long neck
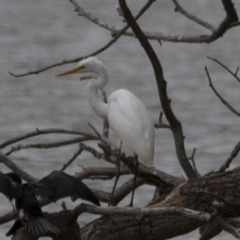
(96, 103)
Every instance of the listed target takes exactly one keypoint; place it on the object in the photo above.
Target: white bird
(127, 116)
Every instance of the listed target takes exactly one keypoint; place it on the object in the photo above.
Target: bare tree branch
(225, 67)
(199, 21)
(233, 154)
(46, 131)
(162, 89)
(10, 164)
(228, 228)
(217, 33)
(230, 10)
(219, 96)
(8, 217)
(82, 13)
(124, 190)
(192, 158)
(117, 34)
(194, 215)
(96, 171)
(120, 193)
(75, 155)
(49, 145)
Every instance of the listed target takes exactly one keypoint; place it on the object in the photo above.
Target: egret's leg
(135, 178)
(117, 174)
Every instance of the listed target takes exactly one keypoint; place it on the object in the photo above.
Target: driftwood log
(211, 203)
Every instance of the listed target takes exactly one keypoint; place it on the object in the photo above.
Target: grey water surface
(35, 34)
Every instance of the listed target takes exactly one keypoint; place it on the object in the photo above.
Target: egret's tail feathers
(17, 225)
(39, 226)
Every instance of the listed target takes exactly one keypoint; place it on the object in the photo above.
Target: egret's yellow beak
(70, 71)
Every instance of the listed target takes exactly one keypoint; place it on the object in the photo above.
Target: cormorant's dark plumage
(54, 186)
(27, 206)
(64, 185)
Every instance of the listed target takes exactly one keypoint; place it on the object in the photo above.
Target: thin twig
(162, 125)
(117, 35)
(82, 13)
(96, 132)
(98, 171)
(199, 21)
(193, 161)
(75, 155)
(94, 152)
(226, 68)
(38, 132)
(10, 164)
(48, 145)
(233, 154)
(219, 96)
(125, 189)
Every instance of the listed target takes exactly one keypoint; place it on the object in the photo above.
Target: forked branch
(162, 89)
(229, 106)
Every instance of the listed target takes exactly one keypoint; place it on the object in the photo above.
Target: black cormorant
(54, 186)
(28, 208)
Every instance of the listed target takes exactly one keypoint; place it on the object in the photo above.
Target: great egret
(126, 114)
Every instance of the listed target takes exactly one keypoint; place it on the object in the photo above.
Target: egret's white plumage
(130, 121)
(126, 114)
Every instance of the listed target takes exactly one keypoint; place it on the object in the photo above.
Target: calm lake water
(35, 34)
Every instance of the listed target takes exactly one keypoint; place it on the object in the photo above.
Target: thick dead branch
(159, 221)
(230, 10)
(208, 231)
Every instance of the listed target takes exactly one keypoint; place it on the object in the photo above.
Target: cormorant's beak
(70, 71)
